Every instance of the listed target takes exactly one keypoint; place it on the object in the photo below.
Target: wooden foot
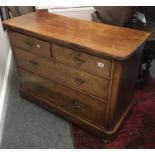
(106, 141)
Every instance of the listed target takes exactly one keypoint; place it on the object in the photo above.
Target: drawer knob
(78, 61)
(79, 81)
(34, 63)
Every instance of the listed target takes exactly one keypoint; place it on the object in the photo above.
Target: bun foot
(106, 141)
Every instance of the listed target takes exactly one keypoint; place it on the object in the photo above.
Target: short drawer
(80, 80)
(68, 100)
(87, 62)
(30, 44)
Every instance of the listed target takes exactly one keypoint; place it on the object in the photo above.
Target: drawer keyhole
(38, 46)
(100, 64)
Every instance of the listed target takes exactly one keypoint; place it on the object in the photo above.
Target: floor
(29, 126)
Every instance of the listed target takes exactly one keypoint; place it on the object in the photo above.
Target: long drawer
(87, 62)
(70, 76)
(30, 44)
(69, 100)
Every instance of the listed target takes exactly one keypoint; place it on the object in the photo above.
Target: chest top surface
(115, 42)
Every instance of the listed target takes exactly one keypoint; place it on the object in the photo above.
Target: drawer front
(87, 62)
(31, 44)
(68, 100)
(61, 73)
(80, 80)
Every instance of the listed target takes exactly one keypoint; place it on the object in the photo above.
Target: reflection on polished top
(115, 42)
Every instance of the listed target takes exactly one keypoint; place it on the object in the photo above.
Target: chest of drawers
(84, 72)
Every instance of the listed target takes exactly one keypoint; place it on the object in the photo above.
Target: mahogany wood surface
(112, 41)
(61, 73)
(75, 102)
(31, 44)
(81, 60)
(84, 72)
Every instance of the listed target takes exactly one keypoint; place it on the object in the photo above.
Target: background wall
(5, 74)
(4, 50)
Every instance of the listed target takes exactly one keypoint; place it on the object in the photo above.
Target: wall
(6, 65)
(84, 13)
(4, 50)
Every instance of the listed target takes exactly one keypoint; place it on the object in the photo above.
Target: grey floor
(27, 125)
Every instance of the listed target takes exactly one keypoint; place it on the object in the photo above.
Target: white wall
(4, 50)
(84, 13)
(5, 74)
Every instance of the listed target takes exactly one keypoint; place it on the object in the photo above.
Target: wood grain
(30, 44)
(122, 95)
(63, 97)
(63, 74)
(75, 78)
(111, 41)
(82, 61)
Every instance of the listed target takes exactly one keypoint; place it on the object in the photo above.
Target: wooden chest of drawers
(82, 71)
